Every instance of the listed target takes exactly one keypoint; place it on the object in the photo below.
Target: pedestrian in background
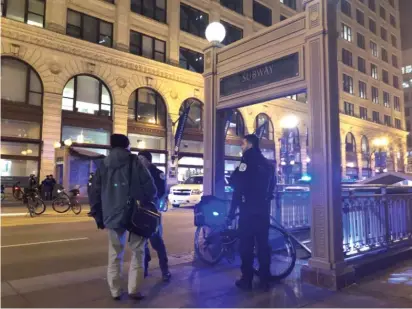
(47, 188)
(156, 240)
(120, 177)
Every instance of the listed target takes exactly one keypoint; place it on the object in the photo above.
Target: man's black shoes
(244, 284)
(166, 276)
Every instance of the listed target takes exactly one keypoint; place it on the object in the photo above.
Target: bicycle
(33, 202)
(3, 195)
(222, 241)
(17, 191)
(64, 202)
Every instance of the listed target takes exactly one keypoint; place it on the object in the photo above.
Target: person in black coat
(156, 240)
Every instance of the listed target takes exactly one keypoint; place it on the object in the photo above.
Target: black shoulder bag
(145, 219)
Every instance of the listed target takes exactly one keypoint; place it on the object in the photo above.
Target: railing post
(386, 211)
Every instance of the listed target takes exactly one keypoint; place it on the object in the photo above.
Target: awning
(85, 153)
(389, 178)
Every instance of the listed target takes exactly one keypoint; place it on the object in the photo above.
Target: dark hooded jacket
(111, 186)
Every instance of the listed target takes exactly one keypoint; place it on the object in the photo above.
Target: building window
(289, 3)
(347, 57)
(394, 41)
(20, 83)
(396, 104)
(88, 95)
(405, 84)
(89, 28)
(384, 55)
(82, 135)
(375, 95)
(193, 21)
(385, 76)
(262, 14)
(346, 8)
(392, 20)
(372, 5)
(396, 82)
(349, 108)
(195, 117)
(361, 40)
(406, 97)
(360, 17)
(30, 12)
(346, 33)
(408, 126)
(236, 124)
(233, 33)
(147, 46)
(398, 123)
(374, 71)
(154, 9)
(376, 117)
(395, 61)
(282, 18)
(387, 120)
(234, 5)
(347, 84)
(268, 130)
(384, 34)
(363, 113)
(382, 12)
(407, 69)
(362, 90)
(191, 60)
(372, 26)
(147, 106)
(374, 48)
(386, 99)
(361, 65)
(407, 112)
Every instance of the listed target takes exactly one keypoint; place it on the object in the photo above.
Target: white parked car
(188, 193)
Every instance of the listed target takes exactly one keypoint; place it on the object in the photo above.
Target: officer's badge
(242, 167)
(162, 176)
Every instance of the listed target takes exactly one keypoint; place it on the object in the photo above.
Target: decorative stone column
(343, 158)
(248, 12)
(120, 118)
(326, 266)
(373, 165)
(122, 25)
(360, 164)
(56, 15)
(173, 20)
(213, 133)
(303, 153)
(214, 14)
(51, 131)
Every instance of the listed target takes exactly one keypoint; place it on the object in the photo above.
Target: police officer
(156, 240)
(253, 183)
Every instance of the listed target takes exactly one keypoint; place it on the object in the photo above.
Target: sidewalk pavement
(195, 285)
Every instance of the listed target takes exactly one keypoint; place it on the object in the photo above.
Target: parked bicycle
(213, 243)
(66, 201)
(3, 195)
(17, 191)
(33, 202)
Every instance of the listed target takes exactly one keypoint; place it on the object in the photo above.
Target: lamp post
(287, 124)
(379, 144)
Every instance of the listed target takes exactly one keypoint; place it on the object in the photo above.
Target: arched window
(20, 83)
(365, 145)
(236, 124)
(268, 130)
(350, 143)
(147, 106)
(88, 95)
(195, 117)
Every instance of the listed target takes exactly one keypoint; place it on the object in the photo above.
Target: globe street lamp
(288, 154)
(215, 33)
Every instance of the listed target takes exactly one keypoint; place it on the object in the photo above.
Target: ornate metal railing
(375, 220)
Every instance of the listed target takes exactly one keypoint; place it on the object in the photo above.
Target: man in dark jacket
(111, 188)
(253, 182)
(156, 240)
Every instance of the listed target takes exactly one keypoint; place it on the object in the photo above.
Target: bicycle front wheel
(76, 207)
(282, 252)
(61, 205)
(208, 245)
(18, 195)
(37, 205)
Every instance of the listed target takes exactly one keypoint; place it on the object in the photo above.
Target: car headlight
(196, 192)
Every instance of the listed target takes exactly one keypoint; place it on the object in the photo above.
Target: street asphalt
(55, 243)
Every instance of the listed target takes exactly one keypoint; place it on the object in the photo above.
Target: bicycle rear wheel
(61, 204)
(18, 195)
(208, 245)
(283, 254)
(76, 207)
(37, 205)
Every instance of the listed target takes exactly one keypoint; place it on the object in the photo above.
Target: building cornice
(96, 53)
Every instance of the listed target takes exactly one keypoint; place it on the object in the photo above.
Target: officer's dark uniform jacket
(253, 182)
(159, 181)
